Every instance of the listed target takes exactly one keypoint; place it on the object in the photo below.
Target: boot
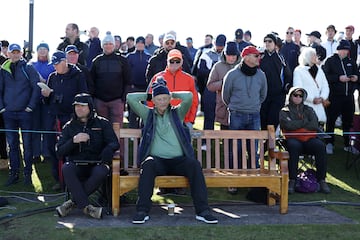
(92, 211)
(65, 208)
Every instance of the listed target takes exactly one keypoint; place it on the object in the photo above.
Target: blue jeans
(13, 122)
(244, 121)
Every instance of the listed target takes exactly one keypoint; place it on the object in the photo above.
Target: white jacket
(320, 88)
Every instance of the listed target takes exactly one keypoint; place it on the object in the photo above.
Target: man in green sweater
(166, 149)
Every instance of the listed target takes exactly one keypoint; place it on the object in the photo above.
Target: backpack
(306, 182)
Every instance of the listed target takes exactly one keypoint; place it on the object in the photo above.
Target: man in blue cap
(18, 81)
(63, 84)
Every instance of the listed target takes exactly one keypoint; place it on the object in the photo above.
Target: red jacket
(179, 81)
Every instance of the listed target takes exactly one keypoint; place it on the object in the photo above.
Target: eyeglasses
(289, 32)
(174, 61)
(297, 95)
(268, 41)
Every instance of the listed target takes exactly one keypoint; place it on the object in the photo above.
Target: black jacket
(110, 75)
(82, 47)
(333, 68)
(101, 146)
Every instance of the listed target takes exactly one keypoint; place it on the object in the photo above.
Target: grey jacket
(244, 93)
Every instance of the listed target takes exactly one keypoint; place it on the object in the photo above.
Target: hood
(84, 99)
(294, 89)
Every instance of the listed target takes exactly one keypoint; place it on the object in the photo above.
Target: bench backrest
(218, 146)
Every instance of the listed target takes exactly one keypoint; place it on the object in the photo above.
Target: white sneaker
(352, 150)
(329, 148)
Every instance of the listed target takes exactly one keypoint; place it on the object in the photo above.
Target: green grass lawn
(344, 199)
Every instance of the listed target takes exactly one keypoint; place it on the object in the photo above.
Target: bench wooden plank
(272, 174)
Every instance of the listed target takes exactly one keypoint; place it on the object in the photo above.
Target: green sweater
(165, 143)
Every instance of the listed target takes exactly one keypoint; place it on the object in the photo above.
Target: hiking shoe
(291, 186)
(140, 218)
(232, 190)
(206, 217)
(64, 209)
(27, 180)
(324, 187)
(352, 150)
(13, 178)
(329, 148)
(92, 211)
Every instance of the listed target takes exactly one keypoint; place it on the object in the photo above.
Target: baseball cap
(249, 50)
(57, 57)
(174, 53)
(14, 47)
(315, 34)
(71, 48)
(350, 27)
(168, 37)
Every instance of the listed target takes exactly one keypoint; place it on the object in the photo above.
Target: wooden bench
(272, 174)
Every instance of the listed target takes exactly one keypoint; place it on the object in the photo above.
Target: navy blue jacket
(291, 52)
(65, 87)
(138, 62)
(18, 89)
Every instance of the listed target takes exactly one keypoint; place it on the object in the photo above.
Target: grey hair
(305, 55)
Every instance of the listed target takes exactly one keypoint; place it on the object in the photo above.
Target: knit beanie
(159, 87)
(140, 39)
(108, 38)
(44, 45)
(231, 48)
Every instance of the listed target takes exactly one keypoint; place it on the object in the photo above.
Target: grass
(344, 199)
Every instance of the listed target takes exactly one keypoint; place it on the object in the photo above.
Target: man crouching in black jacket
(88, 138)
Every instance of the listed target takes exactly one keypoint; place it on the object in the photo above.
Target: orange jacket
(179, 81)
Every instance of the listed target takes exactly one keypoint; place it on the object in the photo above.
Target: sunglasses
(170, 42)
(289, 32)
(297, 95)
(268, 41)
(174, 61)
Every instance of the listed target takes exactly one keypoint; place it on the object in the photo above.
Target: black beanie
(271, 36)
(231, 48)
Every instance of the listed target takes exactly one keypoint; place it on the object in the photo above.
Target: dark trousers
(209, 101)
(3, 145)
(270, 110)
(344, 106)
(51, 139)
(40, 118)
(82, 180)
(181, 166)
(314, 147)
